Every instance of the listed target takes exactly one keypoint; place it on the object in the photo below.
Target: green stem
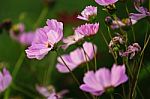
(94, 57)
(111, 96)
(116, 19)
(115, 58)
(124, 94)
(23, 91)
(133, 88)
(133, 32)
(86, 56)
(14, 73)
(50, 67)
(72, 74)
(108, 29)
(41, 17)
(145, 45)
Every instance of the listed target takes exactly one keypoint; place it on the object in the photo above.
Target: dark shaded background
(32, 72)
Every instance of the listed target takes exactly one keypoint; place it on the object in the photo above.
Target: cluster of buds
(116, 43)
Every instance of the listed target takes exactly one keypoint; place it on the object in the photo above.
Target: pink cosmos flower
(143, 12)
(72, 40)
(88, 29)
(97, 83)
(88, 13)
(18, 33)
(5, 79)
(26, 38)
(105, 2)
(75, 58)
(50, 93)
(45, 39)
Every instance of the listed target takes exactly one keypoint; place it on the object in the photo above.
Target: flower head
(105, 2)
(88, 13)
(88, 29)
(143, 12)
(45, 39)
(97, 83)
(5, 79)
(75, 58)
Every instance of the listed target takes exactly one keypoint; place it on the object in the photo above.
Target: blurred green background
(34, 72)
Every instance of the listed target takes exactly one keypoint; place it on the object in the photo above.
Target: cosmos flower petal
(118, 75)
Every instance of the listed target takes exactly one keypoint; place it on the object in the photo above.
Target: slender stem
(145, 45)
(22, 90)
(133, 88)
(18, 64)
(108, 29)
(132, 92)
(15, 71)
(115, 58)
(50, 67)
(111, 96)
(124, 94)
(86, 56)
(94, 57)
(41, 17)
(116, 19)
(133, 32)
(72, 74)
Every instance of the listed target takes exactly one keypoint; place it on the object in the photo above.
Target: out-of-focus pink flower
(50, 93)
(5, 79)
(18, 33)
(72, 40)
(105, 2)
(143, 12)
(75, 58)
(132, 50)
(45, 39)
(88, 29)
(103, 79)
(26, 38)
(115, 24)
(88, 13)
